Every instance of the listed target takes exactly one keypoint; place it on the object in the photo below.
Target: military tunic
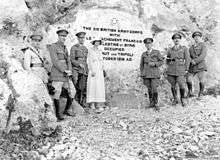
(198, 53)
(78, 56)
(149, 68)
(61, 62)
(33, 61)
(178, 61)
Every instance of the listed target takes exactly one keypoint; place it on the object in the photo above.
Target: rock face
(121, 32)
(34, 102)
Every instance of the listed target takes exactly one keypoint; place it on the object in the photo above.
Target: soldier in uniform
(198, 66)
(60, 72)
(178, 64)
(78, 57)
(34, 59)
(151, 60)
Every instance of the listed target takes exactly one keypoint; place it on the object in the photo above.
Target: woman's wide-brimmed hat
(96, 40)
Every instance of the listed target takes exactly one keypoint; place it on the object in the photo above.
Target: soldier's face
(197, 38)
(62, 38)
(148, 45)
(81, 39)
(36, 43)
(176, 41)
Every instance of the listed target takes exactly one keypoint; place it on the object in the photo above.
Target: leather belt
(79, 58)
(36, 65)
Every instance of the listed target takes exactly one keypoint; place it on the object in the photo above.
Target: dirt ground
(129, 132)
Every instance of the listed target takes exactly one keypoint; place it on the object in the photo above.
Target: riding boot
(57, 110)
(201, 90)
(68, 105)
(182, 97)
(151, 99)
(155, 101)
(174, 92)
(190, 94)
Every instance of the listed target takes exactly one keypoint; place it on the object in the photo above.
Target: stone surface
(13, 8)
(33, 94)
(114, 21)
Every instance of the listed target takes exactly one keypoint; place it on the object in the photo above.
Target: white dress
(96, 84)
(30, 57)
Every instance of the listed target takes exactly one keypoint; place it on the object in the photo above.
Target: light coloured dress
(96, 84)
(31, 57)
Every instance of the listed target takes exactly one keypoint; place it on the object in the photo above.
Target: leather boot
(155, 101)
(151, 99)
(57, 110)
(68, 104)
(182, 97)
(201, 90)
(174, 92)
(190, 94)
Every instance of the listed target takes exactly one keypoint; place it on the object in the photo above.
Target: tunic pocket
(60, 56)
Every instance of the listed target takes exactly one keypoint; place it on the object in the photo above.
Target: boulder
(34, 103)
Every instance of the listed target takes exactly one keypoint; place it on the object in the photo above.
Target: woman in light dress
(95, 83)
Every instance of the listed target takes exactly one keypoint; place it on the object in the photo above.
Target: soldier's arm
(190, 52)
(73, 60)
(69, 65)
(168, 59)
(55, 60)
(202, 56)
(142, 64)
(187, 59)
(27, 60)
(159, 60)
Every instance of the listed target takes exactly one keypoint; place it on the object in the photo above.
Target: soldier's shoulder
(52, 45)
(184, 47)
(75, 46)
(28, 50)
(156, 51)
(144, 53)
(191, 46)
(85, 47)
(202, 44)
(171, 48)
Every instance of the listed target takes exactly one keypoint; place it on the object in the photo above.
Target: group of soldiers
(68, 74)
(182, 64)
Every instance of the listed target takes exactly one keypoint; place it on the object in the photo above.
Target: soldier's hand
(46, 62)
(93, 74)
(152, 64)
(81, 65)
(68, 73)
(193, 62)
